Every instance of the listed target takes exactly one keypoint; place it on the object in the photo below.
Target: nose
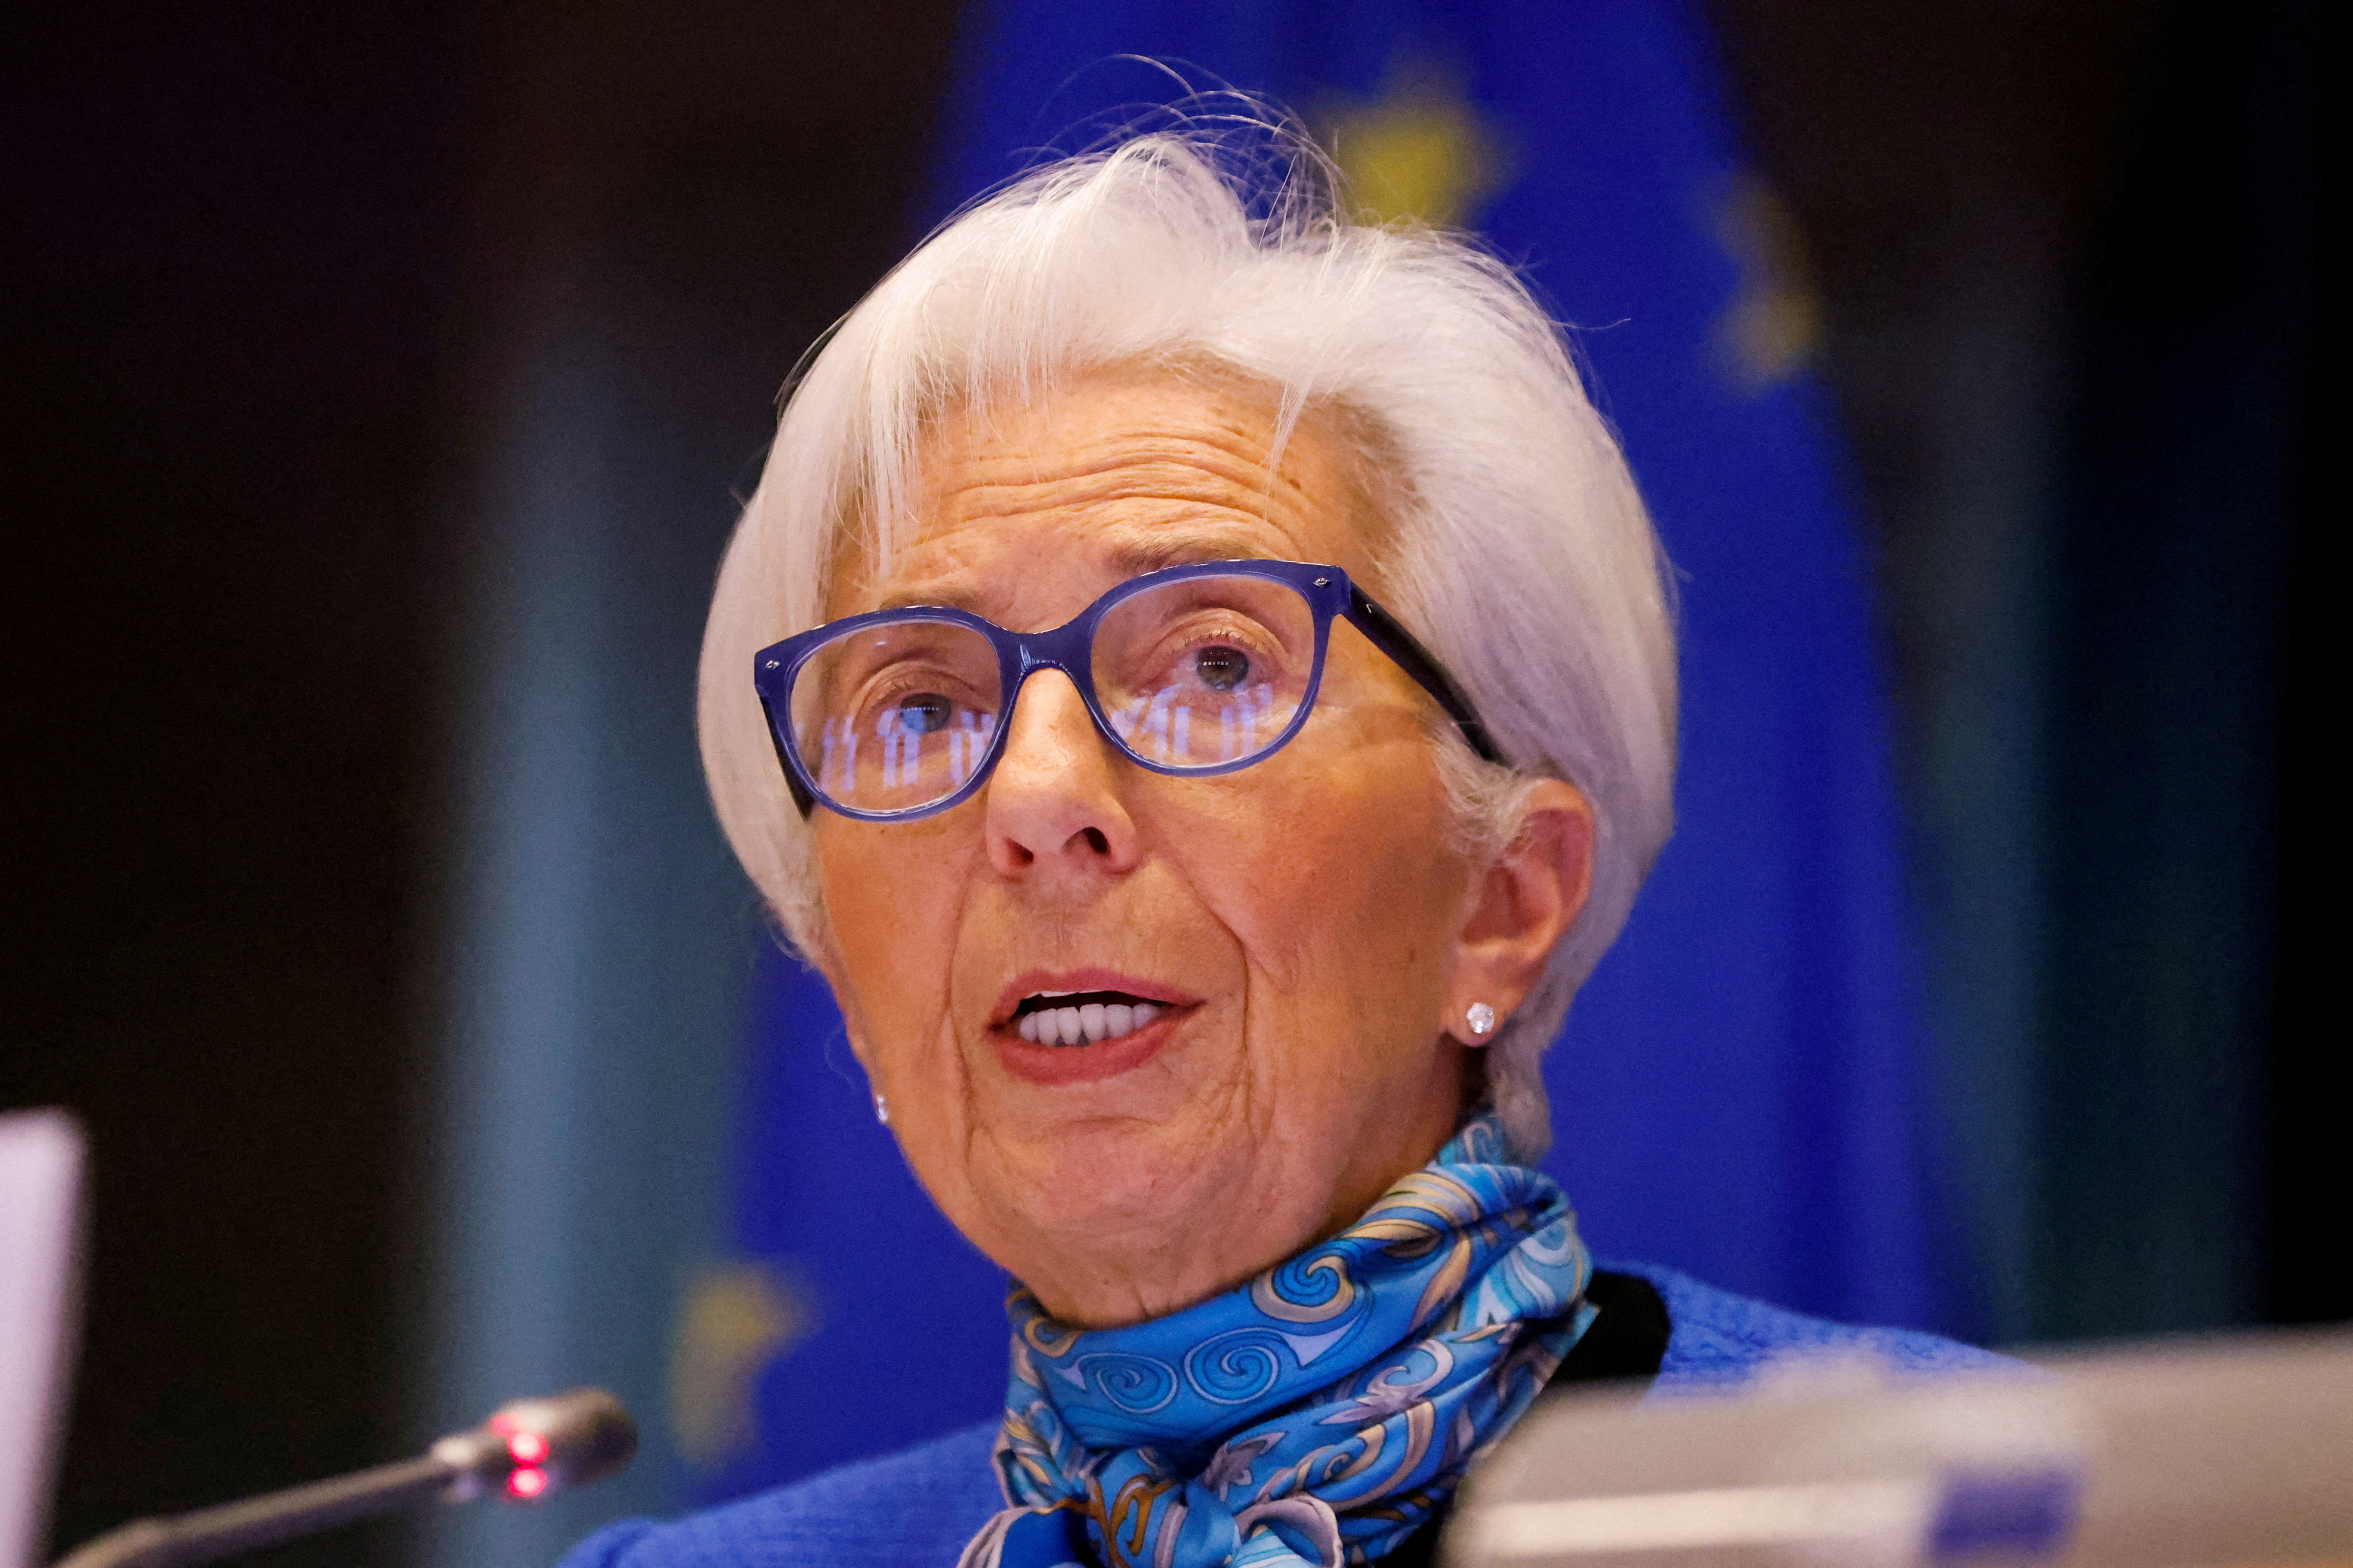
(1053, 804)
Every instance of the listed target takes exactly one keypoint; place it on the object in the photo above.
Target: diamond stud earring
(883, 1110)
(1482, 1019)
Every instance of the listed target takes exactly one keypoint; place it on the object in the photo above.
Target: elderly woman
(1197, 679)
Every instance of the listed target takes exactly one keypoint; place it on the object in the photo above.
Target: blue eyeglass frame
(1068, 647)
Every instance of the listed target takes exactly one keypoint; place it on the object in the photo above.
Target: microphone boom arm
(530, 1448)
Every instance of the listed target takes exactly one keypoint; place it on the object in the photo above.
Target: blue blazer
(919, 1506)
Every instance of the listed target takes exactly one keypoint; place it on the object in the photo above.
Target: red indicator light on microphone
(527, 1482)
(528, 1448)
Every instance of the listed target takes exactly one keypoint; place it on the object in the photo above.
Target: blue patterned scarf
(1318, 1415)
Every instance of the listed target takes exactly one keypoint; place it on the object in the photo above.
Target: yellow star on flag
(1418, 154)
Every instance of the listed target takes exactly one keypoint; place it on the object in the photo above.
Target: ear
(1522, 904)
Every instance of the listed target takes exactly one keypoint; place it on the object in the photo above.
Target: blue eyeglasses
(1191, 671)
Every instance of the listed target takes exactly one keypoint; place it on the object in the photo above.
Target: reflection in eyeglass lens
(1204, 671)
(894, 717)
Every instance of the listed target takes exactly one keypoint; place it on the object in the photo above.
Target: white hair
(1520, 551)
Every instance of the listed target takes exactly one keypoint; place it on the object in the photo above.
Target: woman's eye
(1221, 669)
(924, 712)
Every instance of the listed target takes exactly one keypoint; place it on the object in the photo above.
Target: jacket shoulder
(1716, 1338)
(921, 1504)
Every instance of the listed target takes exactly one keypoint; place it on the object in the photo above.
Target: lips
(1073, 1025)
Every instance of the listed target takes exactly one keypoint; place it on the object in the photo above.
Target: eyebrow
(944, 597)
(1188, 547)
(1177, 547)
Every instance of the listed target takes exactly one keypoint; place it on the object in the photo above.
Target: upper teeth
(1089, 1025)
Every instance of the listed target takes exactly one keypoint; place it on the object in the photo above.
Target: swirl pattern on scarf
(1318, 1415)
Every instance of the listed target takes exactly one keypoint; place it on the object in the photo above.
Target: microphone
(530, 1449)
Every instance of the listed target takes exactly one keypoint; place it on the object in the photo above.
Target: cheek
(1337, 882)
(892, 898)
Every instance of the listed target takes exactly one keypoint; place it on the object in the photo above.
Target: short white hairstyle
(1519, 550)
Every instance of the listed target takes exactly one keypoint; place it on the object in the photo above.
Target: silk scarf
(1318, 1415)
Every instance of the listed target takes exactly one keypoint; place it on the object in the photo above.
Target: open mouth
(1082, 1017)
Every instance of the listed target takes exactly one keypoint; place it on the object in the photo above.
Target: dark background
(262, 264)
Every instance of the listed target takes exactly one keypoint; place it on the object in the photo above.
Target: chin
(1116, 1174)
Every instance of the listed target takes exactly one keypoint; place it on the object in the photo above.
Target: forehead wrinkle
(1171, 482)
(946, 566)
(1145, 454)
(1126, 470)
(1149, 492)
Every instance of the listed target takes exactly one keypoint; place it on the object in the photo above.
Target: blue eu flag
(1741, 1090)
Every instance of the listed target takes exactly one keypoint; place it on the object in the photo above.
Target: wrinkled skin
(1321, 935)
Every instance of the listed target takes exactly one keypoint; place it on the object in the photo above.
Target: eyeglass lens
(1202, 672)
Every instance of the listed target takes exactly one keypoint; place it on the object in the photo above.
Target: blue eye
(1221, 669)
(924, 713)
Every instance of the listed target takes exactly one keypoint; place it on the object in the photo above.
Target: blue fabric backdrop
(1742, 1090)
